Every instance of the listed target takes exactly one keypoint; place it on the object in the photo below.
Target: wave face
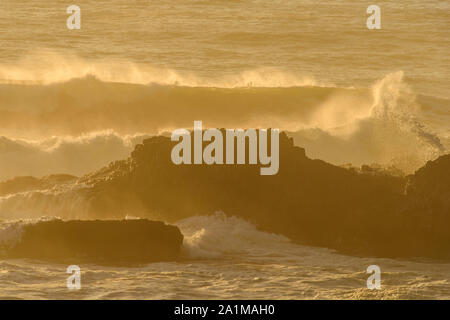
(89, 104)
(63, 154)
(165, 71)
(70, 201)
(96, 122)
(104, 242)
(46, 67)
(199, 40)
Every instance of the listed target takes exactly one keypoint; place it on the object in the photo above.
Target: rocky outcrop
(427, 209)
(367, 212)
(103, 242)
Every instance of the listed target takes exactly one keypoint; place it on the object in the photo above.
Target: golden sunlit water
(72, 101)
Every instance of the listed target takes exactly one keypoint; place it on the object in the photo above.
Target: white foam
(10, 234)
(219, 235)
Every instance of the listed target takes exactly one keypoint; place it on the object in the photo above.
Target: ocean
(72, 101)
(228, 258)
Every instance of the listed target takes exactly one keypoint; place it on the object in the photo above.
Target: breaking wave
(95, 108)
(392, 133)
(47, 67)
(205, 237)
(70, 201)
(219, 236)
(64, 154)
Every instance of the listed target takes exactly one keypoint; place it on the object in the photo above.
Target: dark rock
(104, 242)
(310, 201)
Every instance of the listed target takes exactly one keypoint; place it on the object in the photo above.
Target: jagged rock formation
(427, 209)
(367, 211)
(310, 201)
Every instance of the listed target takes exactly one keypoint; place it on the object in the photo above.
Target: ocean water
(228, 258)
(347, 94)
(71, 101)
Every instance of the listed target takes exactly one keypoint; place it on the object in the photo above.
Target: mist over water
(328, 41)
(73, 101)
(348, 95)
(99, 121)
(76, 155)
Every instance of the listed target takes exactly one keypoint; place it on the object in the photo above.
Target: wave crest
(47, 67)
(390, 133)
(218, 236)
(64, 154)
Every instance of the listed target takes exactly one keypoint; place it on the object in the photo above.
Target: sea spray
(219, 236)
